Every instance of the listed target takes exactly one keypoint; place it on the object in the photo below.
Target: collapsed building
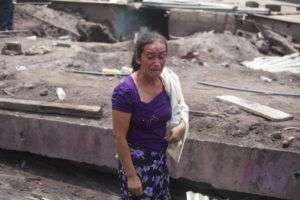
(238, 64)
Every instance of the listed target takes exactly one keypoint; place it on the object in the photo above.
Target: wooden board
(51, 108)
(256, 108)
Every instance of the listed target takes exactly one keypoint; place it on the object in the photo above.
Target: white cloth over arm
(180, 111)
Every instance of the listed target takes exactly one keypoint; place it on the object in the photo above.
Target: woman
(141, 111)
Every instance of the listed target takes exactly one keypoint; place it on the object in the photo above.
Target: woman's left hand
(175, 134)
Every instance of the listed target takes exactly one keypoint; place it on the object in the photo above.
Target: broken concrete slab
(249, 168)
(12, 48)
(187, 22)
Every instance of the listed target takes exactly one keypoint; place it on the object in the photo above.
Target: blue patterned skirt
(152, 169)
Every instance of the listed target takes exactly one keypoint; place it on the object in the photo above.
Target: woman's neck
(146, 80)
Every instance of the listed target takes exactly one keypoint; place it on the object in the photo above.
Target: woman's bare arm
(121, 122)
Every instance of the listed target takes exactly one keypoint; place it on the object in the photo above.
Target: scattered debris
(105, 71)
(195, 196)
(276, 136)
(108, 72)
(288, 63)
(257, 109)
(7, 92)
(44, 92)
(126, 70)
(32, 37)
(225, 64)
(65, 37)
(206, 114)
(21, 68)
(233, 110)
(265, 79)
(60, 94)
(12, 49)
(252, 4)
(13, 31)
(37, 51)
(292, 128)
(94, 32)
(23, 164)
(5, 75)
(285, 47)
(262, 46)
(62, 44)
(190, 55)
(287, 141)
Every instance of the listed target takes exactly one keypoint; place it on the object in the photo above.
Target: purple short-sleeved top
(147, 126)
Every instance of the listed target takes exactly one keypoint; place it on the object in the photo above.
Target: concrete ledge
(269, 172)
(187, 22)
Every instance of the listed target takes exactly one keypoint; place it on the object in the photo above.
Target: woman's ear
(138, 61)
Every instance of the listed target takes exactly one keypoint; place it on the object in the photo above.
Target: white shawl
(180, 111)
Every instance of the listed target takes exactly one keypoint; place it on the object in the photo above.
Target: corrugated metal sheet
(288, 63)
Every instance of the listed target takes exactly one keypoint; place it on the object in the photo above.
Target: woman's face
(153, 58)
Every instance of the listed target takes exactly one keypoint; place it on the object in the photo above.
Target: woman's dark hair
(145, 37)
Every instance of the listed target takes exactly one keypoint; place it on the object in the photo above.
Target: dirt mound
(217, 47)
(45, 22)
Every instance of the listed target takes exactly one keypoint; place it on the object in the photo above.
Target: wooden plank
(106, 73)
(14, 31)
(51, 108)
(256, 108)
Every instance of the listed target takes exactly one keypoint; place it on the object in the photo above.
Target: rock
(21, 68)
(233, 110)
(273, 7)
(60, 94)
(265, 79)
(190, 55)
(262, 46)
(32, 37)
(225, 65)
(65, 37)
(63, 44)
(12, 49)
(44, 92)
(276, 136)
(252, 4)
(4, 75)
(37, 51)
(94, 32)
(77, 64)
(286, 142)
(29, 86)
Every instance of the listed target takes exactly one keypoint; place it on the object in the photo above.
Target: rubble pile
(46, 22)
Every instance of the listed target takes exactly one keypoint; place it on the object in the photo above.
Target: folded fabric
(180, 111)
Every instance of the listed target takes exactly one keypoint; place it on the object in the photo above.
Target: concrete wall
(285, 28)
(187, 22)
(122, 20)
(226, 166)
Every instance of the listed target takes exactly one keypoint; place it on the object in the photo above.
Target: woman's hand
(134, 185)
(175, 134)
